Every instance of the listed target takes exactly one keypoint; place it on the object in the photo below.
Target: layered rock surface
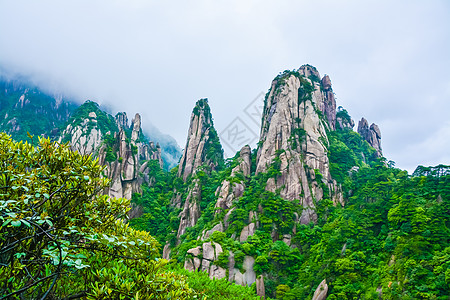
(231, 191)
(343, 120)
(202, 258)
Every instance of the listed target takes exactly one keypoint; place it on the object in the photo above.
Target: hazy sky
(389, 61)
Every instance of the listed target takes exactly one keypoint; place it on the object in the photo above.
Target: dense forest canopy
(314, 211)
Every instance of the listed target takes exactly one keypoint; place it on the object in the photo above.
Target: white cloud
(388, 60)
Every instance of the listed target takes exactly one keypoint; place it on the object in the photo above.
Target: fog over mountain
(388, 61)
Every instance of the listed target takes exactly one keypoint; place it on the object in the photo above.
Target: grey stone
(321, 291)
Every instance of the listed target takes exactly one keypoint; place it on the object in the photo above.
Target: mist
(388, 61)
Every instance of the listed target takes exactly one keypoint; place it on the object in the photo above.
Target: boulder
(321, 291)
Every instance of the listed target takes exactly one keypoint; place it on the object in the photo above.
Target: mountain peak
(297, 113)
(202, 146)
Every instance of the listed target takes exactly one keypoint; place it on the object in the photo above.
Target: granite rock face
(202, 136)
(371, 134)
(202, 149)
(321, 291)
(294, 134)
(343, 120)
(231, 191)
(291, 161)
(246, 278)
(120, 148)
(26, 109)
(191, 209)
(329, 102)
(260, 290)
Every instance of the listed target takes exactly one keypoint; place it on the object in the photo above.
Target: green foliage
(305, 90)
(343, 114)
(214, 289)
(25, 109)
(104, 122)
(59, 238)
(347, 149)
(437, 171)
(214, 151)
(159, 217)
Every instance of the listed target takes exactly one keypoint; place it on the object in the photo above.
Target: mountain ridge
(313, 212)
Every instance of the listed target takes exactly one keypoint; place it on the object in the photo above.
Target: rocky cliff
(263, 197)
(202, 146)
(292, 158)
(203, 150)
(297, 112)
(371, 134)
(120, 147)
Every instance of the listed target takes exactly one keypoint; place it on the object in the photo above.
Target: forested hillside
(313, 212)
(24, 108)
(315, 206)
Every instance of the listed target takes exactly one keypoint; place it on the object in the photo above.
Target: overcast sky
(389, 61)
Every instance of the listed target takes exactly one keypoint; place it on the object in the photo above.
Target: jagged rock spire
(329, 103)
(117, 145)
(371, 134)
(136, 128)
(229, 191)
(121, 120)
(203, 145)
(294, 133)
(202, 148)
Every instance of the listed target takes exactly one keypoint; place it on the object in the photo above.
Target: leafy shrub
(61, 239)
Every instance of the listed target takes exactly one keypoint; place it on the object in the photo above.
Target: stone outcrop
(246, 232)
(260, 289)
(191, 209)
(208, 233)
(292, 161)
(371, 134)
(119, 147)
(321, 291)
(246, 278)
(343, 120)
(294, 133)
(202, 258)
(201, 138)
(166, 251)
(202, 149)
(231, 191)
(329, 102)
(85, 138)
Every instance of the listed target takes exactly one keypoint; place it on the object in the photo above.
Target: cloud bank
(388, 61)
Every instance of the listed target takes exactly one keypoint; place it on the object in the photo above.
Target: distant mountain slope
(25, 108)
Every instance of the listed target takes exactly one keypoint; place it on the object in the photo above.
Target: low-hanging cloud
(388, 61)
